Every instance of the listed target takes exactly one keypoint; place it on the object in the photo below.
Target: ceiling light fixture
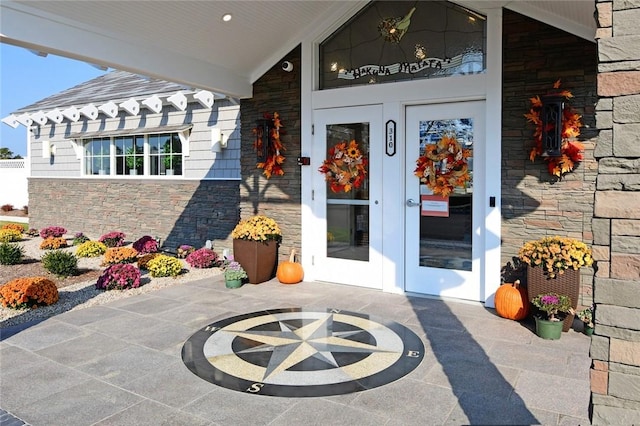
(227, 17)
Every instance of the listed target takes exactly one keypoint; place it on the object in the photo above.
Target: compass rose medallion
(302, 353)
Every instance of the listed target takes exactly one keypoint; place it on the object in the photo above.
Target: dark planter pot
(567, 284)
(587, 330)
(550, 330)
(259, 259)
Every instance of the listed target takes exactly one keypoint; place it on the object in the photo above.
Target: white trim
(136, 177)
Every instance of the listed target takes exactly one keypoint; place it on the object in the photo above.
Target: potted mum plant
(255, 247)
(553, 266)
(552, 308)
(586, 316)
(233, 275)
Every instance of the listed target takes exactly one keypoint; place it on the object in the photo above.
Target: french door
(348, 208)
(443, 213)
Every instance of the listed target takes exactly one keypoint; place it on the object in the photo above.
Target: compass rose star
(291, 345)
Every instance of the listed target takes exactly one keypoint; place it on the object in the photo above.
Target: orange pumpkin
(290, 272)
(512, 301)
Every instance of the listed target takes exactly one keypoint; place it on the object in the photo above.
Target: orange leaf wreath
(571, 150)
(443, 167)
(273, 164)
(346, 167)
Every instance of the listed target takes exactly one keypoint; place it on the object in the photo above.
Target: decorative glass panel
(398, 40)
(348, 210)
(446, 221)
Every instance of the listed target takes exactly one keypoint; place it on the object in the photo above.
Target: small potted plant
(586, 316)
(234, 274)
(133, 161)
(552, 309)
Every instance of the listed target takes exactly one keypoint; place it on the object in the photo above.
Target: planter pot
(567, 284)
(258, 259)
(233, 283)
(102, 172)
(169, 172)
(551, 330)
(133, 171)
(587, 330)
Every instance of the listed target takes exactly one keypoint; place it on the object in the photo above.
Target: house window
(145, 155)
(98, 156)
(392, 41)
(165, 154)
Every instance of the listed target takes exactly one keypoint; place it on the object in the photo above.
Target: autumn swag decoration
(570, 149)
(345, 168)
(273, 160)
(443, 167)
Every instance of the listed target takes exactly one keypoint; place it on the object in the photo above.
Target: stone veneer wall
(277, 197)
(534, 204)
(178, 212)
(615, 346)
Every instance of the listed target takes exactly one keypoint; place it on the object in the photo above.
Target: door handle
(411, 203)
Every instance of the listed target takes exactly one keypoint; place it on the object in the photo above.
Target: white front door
(348, 210)
(443, 246)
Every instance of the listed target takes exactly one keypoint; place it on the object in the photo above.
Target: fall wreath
(571, 150)
(274, 159)
(443, 167)
(345, 168)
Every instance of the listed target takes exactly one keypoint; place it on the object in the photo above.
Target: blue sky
(26, 78)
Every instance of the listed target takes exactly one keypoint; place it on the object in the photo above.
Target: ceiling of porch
(187, 41)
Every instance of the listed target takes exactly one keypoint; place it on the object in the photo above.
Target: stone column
(615, 347)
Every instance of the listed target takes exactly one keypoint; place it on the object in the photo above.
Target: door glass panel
(446, 221)
(348, 201)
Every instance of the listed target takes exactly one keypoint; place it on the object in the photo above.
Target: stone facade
(277, 197)
(535, 204)
(182, 212)
(615, 347)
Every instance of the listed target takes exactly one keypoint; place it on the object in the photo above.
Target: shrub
(120, 276)
(146, 245)
(10, 254)
(10, 235)
(52, 231)
(7, 207)
(53, 243)
(112, 239)
(202, 258)
(120, 255)
(60, 263)
(164, 266)
(79, 238)
(143, 262)
(28, 293)
(91, 249)
(14, 226)
(25, 209)
(33, 232)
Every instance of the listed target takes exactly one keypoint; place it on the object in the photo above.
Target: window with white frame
(145, 155)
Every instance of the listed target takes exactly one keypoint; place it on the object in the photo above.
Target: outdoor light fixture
(263, 132)
(218, 139)
(551, 115)
(227, 17)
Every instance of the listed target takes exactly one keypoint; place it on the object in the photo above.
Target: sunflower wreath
(570, 150)
(443, 167)
(346, 167)
(273, 163)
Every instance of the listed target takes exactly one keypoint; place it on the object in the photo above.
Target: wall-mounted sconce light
(218, 139)
(551, 115)
(263, 128)
(48, 149)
